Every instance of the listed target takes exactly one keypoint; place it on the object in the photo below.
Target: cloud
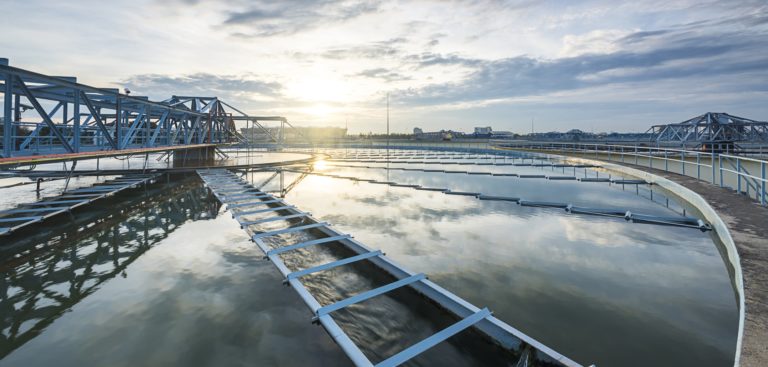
(227, 87)
(372, 50)
(384, 74)
(646, 57)
(264, 19)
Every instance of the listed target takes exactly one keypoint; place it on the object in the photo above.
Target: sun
(320, 110)
(319, 87)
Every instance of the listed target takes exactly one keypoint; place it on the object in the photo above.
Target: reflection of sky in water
(596, 289)
(599, 290)
(199, 295)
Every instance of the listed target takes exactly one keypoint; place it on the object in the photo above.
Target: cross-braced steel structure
(711, 127)
(45, 114)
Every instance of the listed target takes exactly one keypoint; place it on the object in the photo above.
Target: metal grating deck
(27, 214)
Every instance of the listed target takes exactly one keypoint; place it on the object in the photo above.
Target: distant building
(488, 133)
(419, 134)
(483, 131)
(502, 135)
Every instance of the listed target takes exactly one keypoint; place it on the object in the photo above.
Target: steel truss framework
(712, 127)
(51, 114)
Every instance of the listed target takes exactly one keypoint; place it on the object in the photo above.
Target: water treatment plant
(323, 183)
(141, 232)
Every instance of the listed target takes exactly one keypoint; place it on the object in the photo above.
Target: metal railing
(746, 176)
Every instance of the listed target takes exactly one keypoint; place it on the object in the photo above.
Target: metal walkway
(229, 189)
(27, 214)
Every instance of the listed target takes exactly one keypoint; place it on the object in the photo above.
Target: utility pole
(387, 126)
(531, 126)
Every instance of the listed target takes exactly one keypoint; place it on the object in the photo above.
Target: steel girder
(712, 127)
(50, 114)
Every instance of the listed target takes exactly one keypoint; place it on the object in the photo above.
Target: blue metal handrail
(612, 152)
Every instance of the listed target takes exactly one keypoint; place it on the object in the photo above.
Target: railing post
(738, 175)
(682, 158)
(720, 163)
(713, 166)
(698, 166)
(650, 158)
(636, 155)
(762, 183)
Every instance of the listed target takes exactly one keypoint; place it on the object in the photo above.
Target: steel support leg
(7, 118)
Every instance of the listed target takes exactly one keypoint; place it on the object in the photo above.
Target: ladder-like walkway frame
(226, 185)
(27, 214)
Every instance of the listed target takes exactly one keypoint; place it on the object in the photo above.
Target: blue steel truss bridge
(45, 115)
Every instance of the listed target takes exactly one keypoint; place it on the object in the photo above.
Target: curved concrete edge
(694, 199)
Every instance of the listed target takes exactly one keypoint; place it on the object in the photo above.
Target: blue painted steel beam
(44, 203)
(275, 209)
(288, 230)
(41, 111)
(129, 117)
(7, 118)
(335, 264)
(435, 339)
(35, 133)
(242, 196)
(98, 121)
(19, 219)
(297, 246)
(369, 294)
(33, 210)
(273, 219)
(255, 203)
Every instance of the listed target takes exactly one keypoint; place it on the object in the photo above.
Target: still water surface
(166, 280)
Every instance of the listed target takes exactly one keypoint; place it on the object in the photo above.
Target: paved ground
(748, 223)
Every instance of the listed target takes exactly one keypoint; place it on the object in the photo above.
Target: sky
(453, 64)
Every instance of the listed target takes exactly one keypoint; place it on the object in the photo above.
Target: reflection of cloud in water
(200, 296)
(578, 193)
(641, 289)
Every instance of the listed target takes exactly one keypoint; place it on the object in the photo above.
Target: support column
(7, 108)
(147, 128)
(195, 157)
(118, 122)
(76, 120)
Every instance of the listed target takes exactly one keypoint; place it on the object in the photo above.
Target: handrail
(698, 159)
